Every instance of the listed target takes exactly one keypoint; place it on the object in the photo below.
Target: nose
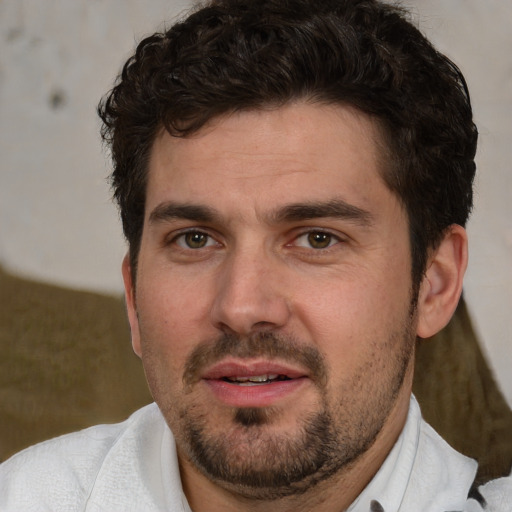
(250, 295)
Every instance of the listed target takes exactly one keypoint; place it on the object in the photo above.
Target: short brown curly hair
(232, 55)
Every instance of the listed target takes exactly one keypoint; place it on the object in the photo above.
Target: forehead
(256, 159)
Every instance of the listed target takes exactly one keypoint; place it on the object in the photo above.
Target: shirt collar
(421, 470)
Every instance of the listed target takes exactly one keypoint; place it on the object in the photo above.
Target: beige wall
(56, 221)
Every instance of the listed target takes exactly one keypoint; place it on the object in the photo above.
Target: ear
(441, 286)
(129, 291)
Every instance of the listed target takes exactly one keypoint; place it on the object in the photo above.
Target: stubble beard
(253, 460)
(256, 463)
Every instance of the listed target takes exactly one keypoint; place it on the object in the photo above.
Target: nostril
(226, 329)
(263, 326)
(258, 327)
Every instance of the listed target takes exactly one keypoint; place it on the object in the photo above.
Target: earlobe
(441, 286)
(129, 290)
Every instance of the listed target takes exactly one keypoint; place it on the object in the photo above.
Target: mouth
(253, 383)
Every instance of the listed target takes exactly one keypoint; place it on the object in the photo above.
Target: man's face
(273, 303)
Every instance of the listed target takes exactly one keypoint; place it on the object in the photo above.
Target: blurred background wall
(57, 223)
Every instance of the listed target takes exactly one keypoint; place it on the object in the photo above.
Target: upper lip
(251, 368)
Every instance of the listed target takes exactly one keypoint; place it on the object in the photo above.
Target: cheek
(173, 303)
(349, 316)
(341, 306)
(173, 317)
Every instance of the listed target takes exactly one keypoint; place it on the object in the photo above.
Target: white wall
(57, 223)
(57, 58)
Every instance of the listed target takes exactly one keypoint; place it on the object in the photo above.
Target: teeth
(255, 378)
(262, 378)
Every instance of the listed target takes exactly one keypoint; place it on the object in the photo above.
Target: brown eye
(194, 240)
(319, 240)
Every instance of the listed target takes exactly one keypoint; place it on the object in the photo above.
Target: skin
(232, 250)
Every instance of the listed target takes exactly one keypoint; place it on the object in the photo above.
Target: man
(294, 178)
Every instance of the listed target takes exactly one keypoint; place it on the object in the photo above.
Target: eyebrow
(171, 210)
(336, 208)
(295, 212)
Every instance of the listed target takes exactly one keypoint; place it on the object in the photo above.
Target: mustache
(268, 344)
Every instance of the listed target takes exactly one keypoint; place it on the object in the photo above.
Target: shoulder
(63, 470)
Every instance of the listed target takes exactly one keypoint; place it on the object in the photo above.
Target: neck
(335, 494)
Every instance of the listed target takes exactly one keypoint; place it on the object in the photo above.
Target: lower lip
(260, 395)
